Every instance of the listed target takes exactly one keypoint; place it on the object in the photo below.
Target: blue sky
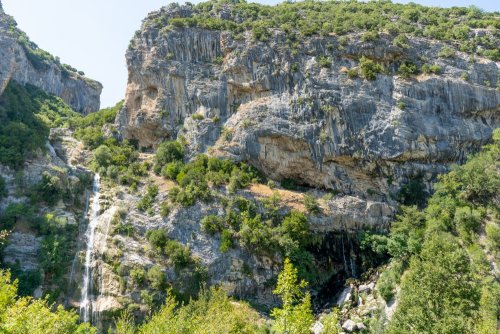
(92, 35)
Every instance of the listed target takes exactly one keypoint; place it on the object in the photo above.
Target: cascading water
(86, 292)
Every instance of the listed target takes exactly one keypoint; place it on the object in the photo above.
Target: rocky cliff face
(21, 60)
(294, 118)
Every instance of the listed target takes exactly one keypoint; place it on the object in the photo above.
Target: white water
(86, 293)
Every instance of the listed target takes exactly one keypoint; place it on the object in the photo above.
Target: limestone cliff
(23, 61)
(294, 117)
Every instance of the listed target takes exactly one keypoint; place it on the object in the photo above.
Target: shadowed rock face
(293, 118)
(81, 93)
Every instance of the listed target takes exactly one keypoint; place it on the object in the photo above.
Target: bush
(401, 41)
(31, 316)
(426, 68)
(446, 52)
(102, 156)
(311, 204)
(179, 255)
(369, 36)
(164, 209)
(172, 169)
(386, 285)
(352, 73)
(156, 278)
(169, 151)
(147, 201)
(226, 241)
(324, 62)
(26, 114)
(407, 69)
(212, 224)
(138, 276)
(413, 192)
(296, 226)
(48, 190)
(14, 213)
(158, 238)
(369, 68)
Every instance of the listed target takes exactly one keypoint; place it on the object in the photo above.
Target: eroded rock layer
(23, 61)
(293, 118)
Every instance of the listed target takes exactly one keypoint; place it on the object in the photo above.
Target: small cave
(338, 257)
(138, 102)
(151, 92)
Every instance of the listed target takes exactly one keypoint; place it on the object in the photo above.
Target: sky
(93, 35)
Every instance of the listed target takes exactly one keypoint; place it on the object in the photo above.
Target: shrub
(179, 255)
(198, 117)
(311, 204)
(296, 226)
(369, 68)
(407, 69)
(102, 156)
(352, 73)
(164, 209)
(48, 190)
(172, 170)
(369, 36)
(226, 241)
(386, 286)
(413, 192)
(324, 62)
(219, 60)
(158, 238)
(211, 224)
(426, 68)
(401, 105)
(493, 235)
(402, 41)
(446, 52)
(138, 276)
(156, 278)
(169, 151)
(147, 201)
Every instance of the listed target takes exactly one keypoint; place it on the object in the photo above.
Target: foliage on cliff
(213, 312)
(26, 114)
(309, 18)
(449, 250)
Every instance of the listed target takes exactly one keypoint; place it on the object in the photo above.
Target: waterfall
(86, 292)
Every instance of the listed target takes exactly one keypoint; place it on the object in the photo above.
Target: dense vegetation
(214, 313)
(308, 18)
(26, 115)
(446, 253)
(24, 315)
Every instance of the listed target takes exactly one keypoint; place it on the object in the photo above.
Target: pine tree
(295, 317)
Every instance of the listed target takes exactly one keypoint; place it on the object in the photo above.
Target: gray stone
(349, 326)
(81, 93)
(315, 125)
(366, 287)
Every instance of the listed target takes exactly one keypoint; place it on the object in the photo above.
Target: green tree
(156, 278)
(295, 316)
(30, 316)
(169, 151)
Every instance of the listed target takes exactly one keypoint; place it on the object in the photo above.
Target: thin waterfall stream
(87, 299)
